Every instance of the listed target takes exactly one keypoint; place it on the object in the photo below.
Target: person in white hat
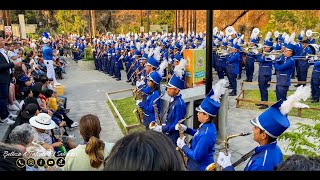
(41, 124)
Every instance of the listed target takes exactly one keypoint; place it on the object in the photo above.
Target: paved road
(86, 88)
(86, 93)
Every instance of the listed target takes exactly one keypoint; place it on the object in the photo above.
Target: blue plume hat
(268, 43)
(175, 82)
(178, 57)
(155, 77)
(291, 47)
(153, 62)
(209, 105)
(272, 121)
(137, 53)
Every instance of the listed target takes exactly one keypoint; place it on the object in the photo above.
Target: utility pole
(187, 21)
(93, 23)
(148, 21)
(183, 27)
(195, 21)
(90, 26)
(140, 17)
(176, 21)
(209, 51)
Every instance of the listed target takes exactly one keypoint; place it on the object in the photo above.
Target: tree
(292, 21)
(71, 21)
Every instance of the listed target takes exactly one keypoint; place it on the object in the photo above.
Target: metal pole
(90, 26)
(187, 21)
(141, 18)
(209, 51)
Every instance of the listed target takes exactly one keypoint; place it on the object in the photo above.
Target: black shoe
(232, 94)
(239, 78)
(114, 76)
(246, 80)
(128, 81)
(315, 101)
(118, 79)
(263, 106)
(297, 85)
(258, 104)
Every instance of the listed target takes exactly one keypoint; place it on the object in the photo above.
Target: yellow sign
(196, 69)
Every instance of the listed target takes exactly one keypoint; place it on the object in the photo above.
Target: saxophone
(156, 113)
(181, 134)
(139, 114)
(213, 166)
(137, 93)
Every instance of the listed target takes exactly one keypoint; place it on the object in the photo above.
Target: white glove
(121, 57)
(157, 128)
(129, 53)
(181, 142)
(184, 127)
(223, 160)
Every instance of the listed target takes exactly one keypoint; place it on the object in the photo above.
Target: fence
(242, 93)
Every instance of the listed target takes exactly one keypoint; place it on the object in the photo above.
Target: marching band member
(265, 70)
(200, 153)
(233, 67)
(315, 82)
(303, 64)
(177, 107)
(221, 59)
(284, 70)
(251, 56)
(147, 105)
(117, 65)
(267, 127)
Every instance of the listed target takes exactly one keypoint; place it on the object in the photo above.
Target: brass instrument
(181, 134)
(156, 113)
(222, 53)
(309, 33)
(139, 114)
(272, 53)
(307, 57)
(137, 93)
(212, 166)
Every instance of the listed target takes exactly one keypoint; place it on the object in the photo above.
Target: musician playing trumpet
(265, 71)
(303, 64)
(200, 153)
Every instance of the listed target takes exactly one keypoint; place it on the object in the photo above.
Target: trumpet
(181, 134)
(309, 33)
(307, 57)
(272, 53)
(212, 166)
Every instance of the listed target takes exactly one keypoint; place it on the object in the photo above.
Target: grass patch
(125, 107)
(255, 95)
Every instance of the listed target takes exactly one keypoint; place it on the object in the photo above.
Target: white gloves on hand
(223, 160)
(157, 128)
(184, 127)
(181, 142)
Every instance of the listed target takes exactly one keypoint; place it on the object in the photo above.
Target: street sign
(7, 30)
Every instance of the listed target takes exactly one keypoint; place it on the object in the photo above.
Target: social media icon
(21, 163)
(31, 162)
(50, 162)
(41, 162)
(61, 162)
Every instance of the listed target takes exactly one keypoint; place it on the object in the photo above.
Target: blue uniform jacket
(250, 58)
(265, 158)
(265, 65)
(200, 154)
(47, 52)
(176, 111)
(284, 71)
(233, 63)
(118, 61)
(147, 106)
(316, 66)
(303, 63)
(221, 61)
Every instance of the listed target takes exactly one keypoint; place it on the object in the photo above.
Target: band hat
(209, 106)
(175, 82)
(42, 121)
(272, 121)
(45, 40)
(155, 77)
(152, 62)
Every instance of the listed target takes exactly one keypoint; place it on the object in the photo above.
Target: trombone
(307, 58)
(309, 33)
